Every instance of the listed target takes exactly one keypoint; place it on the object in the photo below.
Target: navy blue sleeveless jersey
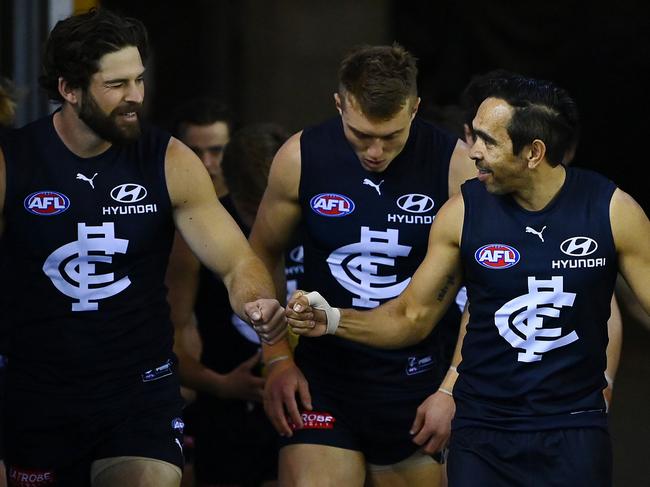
(87, 241)
(364, 236)
(539, 285)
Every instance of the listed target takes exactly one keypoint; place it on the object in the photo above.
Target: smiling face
(375, 142)
(112, 103)
(499, 169)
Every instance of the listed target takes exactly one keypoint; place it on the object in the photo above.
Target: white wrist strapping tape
(333, 314)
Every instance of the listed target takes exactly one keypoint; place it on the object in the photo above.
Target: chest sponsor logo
(415, 203)
(46, 203)
(497, 256)
(356, 267)
(314, 420)
(128, 194)
(332, 204)
(579, 246)
(417, 365)
(72, 268)
(521, 320)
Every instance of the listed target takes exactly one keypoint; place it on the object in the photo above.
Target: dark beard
(105, 126)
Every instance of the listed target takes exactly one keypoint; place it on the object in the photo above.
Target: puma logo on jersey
(535, 232)
(88, 180)
(368, 182)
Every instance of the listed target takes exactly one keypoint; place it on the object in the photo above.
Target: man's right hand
(285, 380)
(303, 319)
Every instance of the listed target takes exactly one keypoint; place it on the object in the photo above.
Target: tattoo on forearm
(445, 288)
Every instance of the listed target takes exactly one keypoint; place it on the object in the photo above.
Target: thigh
(320, 466)
(134, 472)
(419, 470)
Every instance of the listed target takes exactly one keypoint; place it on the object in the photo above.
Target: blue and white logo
(415, 203)
(46, 203)
(332, 204)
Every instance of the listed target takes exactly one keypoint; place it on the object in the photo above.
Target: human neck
(76, 135)
(542, 188)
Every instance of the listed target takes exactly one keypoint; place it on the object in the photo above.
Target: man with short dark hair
(364, 188)
(90, 199)
(538, 246)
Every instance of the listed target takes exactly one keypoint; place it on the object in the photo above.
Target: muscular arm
(631, 230)
(461, 168)
(212, 234)
(409, 318)
(277, 217)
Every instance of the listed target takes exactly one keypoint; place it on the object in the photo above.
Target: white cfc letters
(526, 315)
(71, 267)
(355, 266)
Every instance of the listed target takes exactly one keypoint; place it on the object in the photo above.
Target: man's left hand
(432, 425)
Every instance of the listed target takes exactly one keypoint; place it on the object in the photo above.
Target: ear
(536, 153)
(339, 103)
(468, 135)
(416, 105)
(69, 94)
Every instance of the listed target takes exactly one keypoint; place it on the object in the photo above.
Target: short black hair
(200, 111)
(76, 45)
(541, 110)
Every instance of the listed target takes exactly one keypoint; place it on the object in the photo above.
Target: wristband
(279, 358)
(610, 381)
(451, 367)
(446, 391)
(333, 314)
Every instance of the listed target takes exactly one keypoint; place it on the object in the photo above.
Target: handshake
(307, 314)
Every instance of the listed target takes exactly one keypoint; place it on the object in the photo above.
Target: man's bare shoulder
(285, 170)
(185, 173)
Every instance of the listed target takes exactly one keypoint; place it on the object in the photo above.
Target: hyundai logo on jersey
(332, 204)
(415, 203)
(128, 193)
(497, 256)
(47, 203)
(579, 246)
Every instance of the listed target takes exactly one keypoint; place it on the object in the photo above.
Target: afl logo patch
(47, 203)
(128, 193)
(579, 246)
(415, 203)
(332, 204)
(497, 256)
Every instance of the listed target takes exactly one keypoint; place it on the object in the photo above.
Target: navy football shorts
(234, 443)
(375, 424)
(52, 441)
(580, 457)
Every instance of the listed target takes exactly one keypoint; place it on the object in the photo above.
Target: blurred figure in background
(219, 355)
